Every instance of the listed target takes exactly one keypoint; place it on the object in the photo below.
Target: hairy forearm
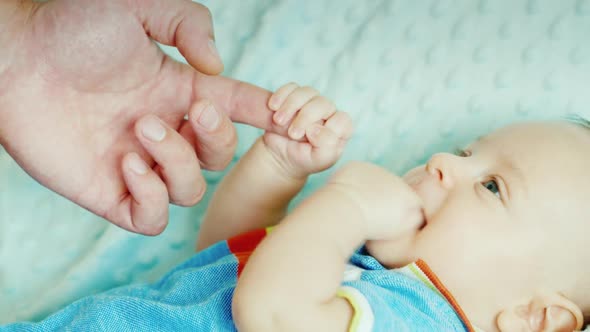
(298, 268)
(254, 194)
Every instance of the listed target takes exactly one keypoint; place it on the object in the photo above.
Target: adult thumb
(185, 25)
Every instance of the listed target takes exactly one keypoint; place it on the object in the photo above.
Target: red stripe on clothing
(445, 292)
(243, 245)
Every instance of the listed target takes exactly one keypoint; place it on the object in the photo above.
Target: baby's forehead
(539, 139)
(552, 156)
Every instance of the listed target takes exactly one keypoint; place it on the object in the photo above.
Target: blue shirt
(197, 296)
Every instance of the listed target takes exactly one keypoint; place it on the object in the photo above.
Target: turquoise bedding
(417, 77)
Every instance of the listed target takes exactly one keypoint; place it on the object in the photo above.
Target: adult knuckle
(197, 195)
(186, 156)
(226, 141)
(222, 163)
(204, 9)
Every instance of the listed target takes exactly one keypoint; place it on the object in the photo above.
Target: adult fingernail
(153, 129)
(136, 164)
(213, 48)
(209, 118)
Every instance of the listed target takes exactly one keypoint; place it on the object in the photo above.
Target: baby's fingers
(319, 108)
(325, 147)
(321, 137)
(278, 98)
(341, 124)
(294, 102)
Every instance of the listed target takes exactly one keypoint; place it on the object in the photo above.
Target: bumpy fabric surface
(417, 76)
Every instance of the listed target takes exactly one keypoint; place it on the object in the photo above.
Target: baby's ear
(544, 312)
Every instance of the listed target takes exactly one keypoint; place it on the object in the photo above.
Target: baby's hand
(317, 131)
(389, 207)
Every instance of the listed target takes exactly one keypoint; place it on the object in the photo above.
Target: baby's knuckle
(289, 88)
(346, 120)
(310, 90)
(325, 100)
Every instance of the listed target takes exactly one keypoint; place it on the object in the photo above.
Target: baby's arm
(254, 194)
(257, 191)
(291, 280)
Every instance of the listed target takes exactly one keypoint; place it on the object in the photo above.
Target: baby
(492, 238)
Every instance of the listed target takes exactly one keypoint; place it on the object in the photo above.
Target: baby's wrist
(281, 166)
(278, 166)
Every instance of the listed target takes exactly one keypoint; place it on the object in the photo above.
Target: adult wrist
(14, 17)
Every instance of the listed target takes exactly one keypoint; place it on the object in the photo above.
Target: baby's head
(507, 227)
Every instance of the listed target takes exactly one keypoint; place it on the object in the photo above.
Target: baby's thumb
(414, 221)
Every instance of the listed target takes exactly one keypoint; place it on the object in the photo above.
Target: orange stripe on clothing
(243, 245)
(443, 290)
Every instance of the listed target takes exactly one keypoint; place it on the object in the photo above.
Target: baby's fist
(317, 131)
(389, 207)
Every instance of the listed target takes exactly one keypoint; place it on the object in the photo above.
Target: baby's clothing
(197, 296)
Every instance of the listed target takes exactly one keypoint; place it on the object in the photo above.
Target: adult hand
(91, 107)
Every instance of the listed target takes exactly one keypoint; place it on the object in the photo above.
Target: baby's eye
(462, 153)
(492, 186)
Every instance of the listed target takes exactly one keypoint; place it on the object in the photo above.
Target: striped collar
(420, 271)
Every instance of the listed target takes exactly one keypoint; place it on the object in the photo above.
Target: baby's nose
(431, 192)
(443, 167)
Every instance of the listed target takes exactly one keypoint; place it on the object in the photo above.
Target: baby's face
(505, 219)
